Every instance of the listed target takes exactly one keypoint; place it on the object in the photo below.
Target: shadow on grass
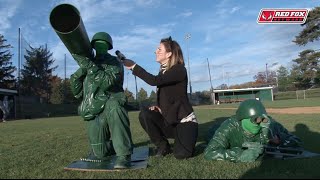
(205, 133)
(291, 168)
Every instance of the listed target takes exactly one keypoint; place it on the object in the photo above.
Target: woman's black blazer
(172, 97)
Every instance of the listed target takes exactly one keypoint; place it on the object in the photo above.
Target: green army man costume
(99, 82)
(241, 137)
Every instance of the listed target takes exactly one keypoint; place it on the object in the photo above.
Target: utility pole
(187, 37)
(65, 66)
(135, 79)
(19, 59)
(228, 79)
(210, 76)
(224, 82)
(267, 73)
(138, 101)
(18, 109)
(65, 78)
(211, 89)
(127, 79)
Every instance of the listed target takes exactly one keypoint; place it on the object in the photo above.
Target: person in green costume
(241, 138)
(99, 82)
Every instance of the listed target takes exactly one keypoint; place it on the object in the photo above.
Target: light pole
(187, 37)
(228, 79)
(210, 76)
(267, 73)
(276, 81)
(272, 65)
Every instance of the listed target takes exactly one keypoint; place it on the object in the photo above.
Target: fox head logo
(266, 16)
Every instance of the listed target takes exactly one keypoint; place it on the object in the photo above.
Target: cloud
(147, 3)
(92, 9)
(148, 31)
(264, 44)
(234, 9)
(58, 53)
(184, 14)
(227, 11)
(7, 10)
(142, 39)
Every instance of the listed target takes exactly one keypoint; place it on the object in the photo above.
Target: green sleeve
(76, 81)
(219, 147)
(102, 77)
(107, 78)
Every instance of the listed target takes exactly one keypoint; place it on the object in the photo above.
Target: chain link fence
(299, 94)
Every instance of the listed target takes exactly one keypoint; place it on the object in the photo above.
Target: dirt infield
(294, 110)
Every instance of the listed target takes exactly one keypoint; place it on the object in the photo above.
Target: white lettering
(282, 14)
(297, 14)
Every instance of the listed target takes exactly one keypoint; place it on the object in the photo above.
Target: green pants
(111, 129)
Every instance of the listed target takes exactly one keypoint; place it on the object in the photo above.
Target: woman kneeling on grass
(173, 117)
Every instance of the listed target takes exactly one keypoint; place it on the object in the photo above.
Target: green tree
(243, 85)
(37, 72)
(311, 31)
(222, 86)
(317, 79)
(204, 97)
(305, 68)
(57, 91)
(153, 96)
(283, 79)
(68, 95)
(142, 95)
(129, 95)
(260, 78)
(7, 79)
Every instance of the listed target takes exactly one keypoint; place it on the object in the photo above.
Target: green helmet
(250, 108)
(102, 36)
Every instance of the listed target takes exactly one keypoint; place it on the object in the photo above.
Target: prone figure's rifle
(288, 152)
(280, 152)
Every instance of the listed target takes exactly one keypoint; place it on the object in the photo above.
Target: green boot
(123, 162)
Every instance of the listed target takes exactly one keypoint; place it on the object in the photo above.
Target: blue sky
(224, 32)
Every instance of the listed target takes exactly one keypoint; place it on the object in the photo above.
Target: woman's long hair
(173, 47)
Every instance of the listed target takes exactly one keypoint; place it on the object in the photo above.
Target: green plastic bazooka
(99, 82)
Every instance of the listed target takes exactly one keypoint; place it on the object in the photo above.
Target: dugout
(239, 95)
(12, 98)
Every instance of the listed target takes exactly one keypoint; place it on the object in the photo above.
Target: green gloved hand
(289, 143)
(249, 155)
(81, 60)
(255, 146)
(76, 82)
(265, 129)
(85, 63)
(265, 122)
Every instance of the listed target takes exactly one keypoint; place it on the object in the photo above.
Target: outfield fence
(299, 94)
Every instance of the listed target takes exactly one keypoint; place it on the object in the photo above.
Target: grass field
(308, 102)
(41, 148)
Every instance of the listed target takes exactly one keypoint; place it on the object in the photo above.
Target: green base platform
(139, 160)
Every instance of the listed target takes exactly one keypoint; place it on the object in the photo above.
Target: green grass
(41, 148)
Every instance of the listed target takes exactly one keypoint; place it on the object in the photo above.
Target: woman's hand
(129, 64)
(275, 140)
(155, 108)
